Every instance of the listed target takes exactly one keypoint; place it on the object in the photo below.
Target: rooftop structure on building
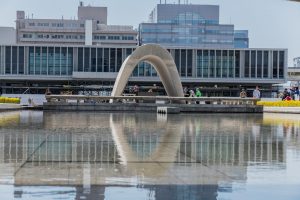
(90, 28)
(297, 62)
(190, 25)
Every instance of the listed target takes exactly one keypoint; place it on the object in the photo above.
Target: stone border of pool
(151, 107)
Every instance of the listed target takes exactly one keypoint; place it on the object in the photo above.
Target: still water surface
(87, 155)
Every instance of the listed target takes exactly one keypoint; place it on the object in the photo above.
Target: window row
(113, 37)
(101, 59)
(202, 63)
(50, 61)
(53, 36)
(264, 64)
(56, 25)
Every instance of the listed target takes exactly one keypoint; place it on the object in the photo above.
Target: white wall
(88, 32)
(7, 35)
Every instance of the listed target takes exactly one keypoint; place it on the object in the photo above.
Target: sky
(271, 23)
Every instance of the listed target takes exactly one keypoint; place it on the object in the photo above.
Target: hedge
(9, 100)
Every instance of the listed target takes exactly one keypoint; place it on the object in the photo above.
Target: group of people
(290, 94)
(255, 94)
(191, 93)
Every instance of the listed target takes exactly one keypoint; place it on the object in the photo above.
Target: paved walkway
(8, 106)
(294, 110)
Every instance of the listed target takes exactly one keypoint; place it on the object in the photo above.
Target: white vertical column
(88, 32)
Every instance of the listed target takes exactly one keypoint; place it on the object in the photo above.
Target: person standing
(243, 93)
(297, 93)
(198, 94)
(256, 93)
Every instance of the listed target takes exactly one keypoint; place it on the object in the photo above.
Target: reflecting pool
(90, 155)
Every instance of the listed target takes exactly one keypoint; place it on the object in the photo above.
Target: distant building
(188, 25)
(89, 29)
(297, 62)
(7, 35)
(241, 39)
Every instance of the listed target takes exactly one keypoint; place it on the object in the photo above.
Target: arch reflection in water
(164, 152)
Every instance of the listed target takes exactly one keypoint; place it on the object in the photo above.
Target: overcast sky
(271, 23)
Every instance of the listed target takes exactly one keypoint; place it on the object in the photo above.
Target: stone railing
(81, 99)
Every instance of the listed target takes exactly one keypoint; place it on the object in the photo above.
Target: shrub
(291, 103)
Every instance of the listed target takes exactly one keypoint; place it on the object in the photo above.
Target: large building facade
(188, 25)
(54, 64)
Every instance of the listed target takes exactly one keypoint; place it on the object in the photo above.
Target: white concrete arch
(163, 63)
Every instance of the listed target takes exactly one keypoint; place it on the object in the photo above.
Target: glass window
(183, 63)
(37, 68)
(147, 67)
(93, 60)
(70, 61)
(247, 64)
(237, 64)
(57, 60)
(21, 60)
(199, 63)
(31, 60)
(141, 67)
(64, 55)
(189, 63)
(205, 63)
(231, 64)
(253, 64)
(224, 63)
(212, 63)
(7, 60)
(218, 64)
(177, 59)
(44, 60)
(266, 64)
(281, 64)
(275, 64)
(112, 60)
(128, 52)
(14, 60)
(119, 59)
(50, 61)
(99, 60)
(87, 66)
(80, 59)
(259, 64)
(106, 60)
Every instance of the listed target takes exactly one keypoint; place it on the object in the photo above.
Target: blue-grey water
(88, 155)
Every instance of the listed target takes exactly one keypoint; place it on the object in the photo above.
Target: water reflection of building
(74, 151)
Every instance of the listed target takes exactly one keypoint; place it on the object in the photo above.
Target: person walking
(256, 93)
